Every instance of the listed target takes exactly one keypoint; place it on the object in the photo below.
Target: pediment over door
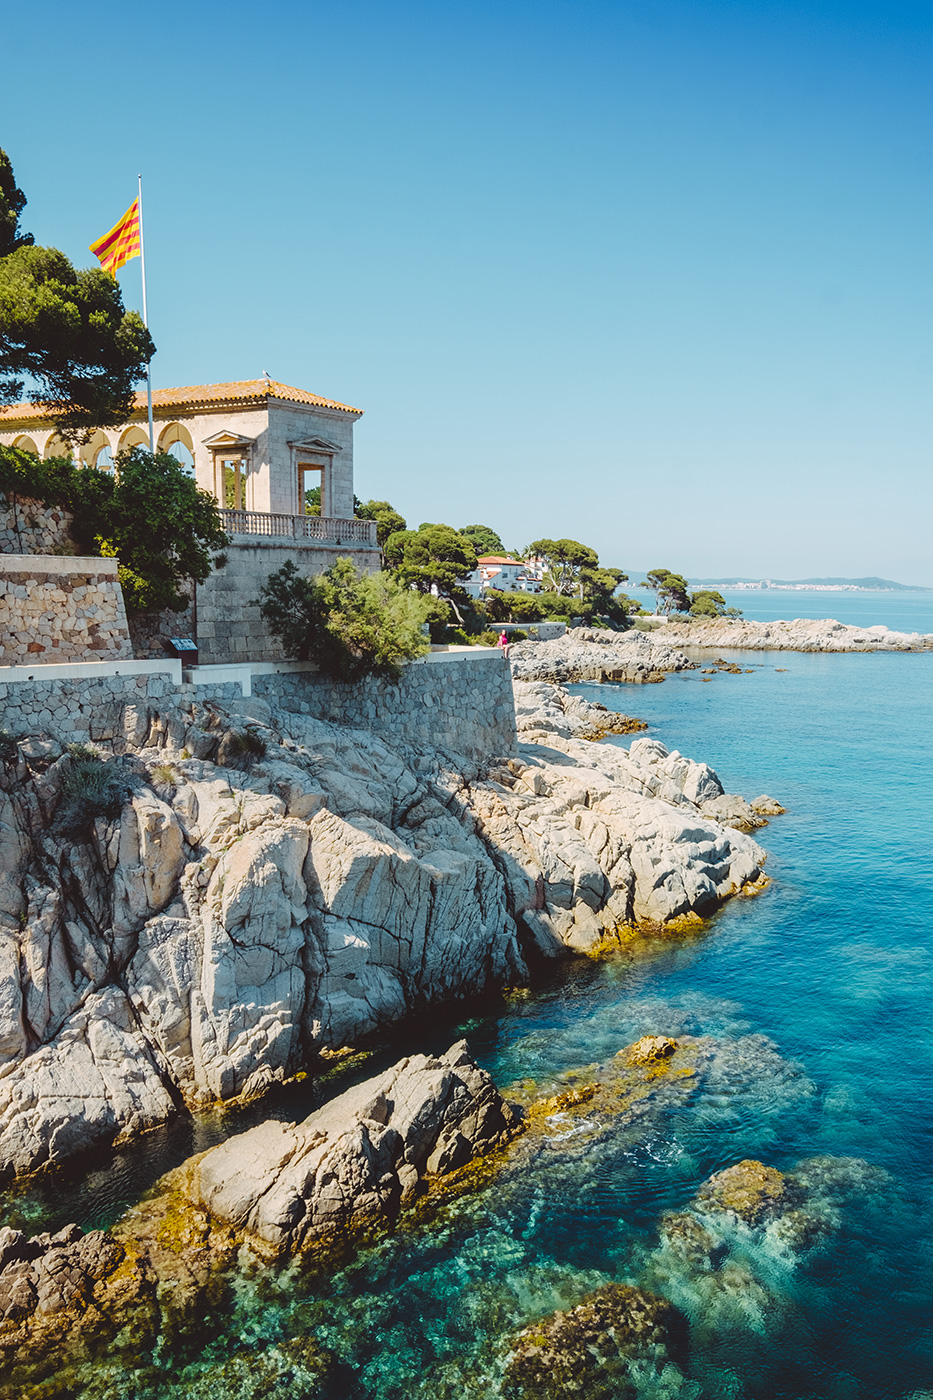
(315, 445)
(228, 440)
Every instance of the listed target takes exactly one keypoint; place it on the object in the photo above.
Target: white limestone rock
(95, 1082)
(357, 1158)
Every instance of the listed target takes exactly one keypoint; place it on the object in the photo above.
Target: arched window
(132, 437)
(57, 447)
(97, 452)
(178, 441)
(26, 444)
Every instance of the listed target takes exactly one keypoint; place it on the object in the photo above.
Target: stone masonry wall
(229, 627)
(464, 706)
(55, 609)
(29, 527)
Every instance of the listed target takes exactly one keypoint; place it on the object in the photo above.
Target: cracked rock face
(229, 923)
(358, 1158)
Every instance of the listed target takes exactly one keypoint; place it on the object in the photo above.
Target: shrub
(163, 778)
(243, 747)
(352, 625)
(9, 749)
(91, 788)
(487, 639)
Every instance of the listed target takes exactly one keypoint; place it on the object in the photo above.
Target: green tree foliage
(148, 512)
(163, 528)
(12, 204)
(388, 521)
(350, 624)
(66, 331)
(672, 591)
(706, 603)
(503, 606)
(433, 556)
(483, 538)
(563, 561)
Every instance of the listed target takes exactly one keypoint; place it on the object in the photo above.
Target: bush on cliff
(351, 625)
(148, 512)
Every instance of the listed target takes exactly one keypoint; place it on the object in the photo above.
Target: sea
(903, 611)
(818, 993)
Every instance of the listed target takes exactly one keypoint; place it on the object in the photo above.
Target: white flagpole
(142, 258)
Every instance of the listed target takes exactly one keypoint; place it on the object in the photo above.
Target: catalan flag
(121, 243)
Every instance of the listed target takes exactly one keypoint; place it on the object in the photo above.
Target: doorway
(231, 482)
(311, 489)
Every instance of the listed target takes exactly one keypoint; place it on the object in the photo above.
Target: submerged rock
(750, 1191)
(585, 1351)
(650, 1050)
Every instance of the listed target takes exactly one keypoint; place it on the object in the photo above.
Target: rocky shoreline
(800, 634)
(279, 1192)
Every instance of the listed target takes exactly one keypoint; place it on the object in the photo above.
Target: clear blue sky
(652, 275)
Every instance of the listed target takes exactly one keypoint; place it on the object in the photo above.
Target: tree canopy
(65, 331)
(483, 538)
(433, 556)
(350, 624)
(673, 595)
(671, 591)
(562, 562)
(388, 521)
(148, 512)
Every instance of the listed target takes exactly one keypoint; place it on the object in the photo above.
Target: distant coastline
(814, 585)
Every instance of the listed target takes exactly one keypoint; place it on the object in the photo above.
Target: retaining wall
(229, 627)
(29, 527)
(447, 701)
(450, 701)
(61, 608)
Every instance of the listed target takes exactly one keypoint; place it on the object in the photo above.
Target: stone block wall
(58, 608)
(29, 527)
(229, 627)
(465, 706)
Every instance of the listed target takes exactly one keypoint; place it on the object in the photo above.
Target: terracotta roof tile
(193, 396)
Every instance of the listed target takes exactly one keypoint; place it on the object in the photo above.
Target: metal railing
(327, 529)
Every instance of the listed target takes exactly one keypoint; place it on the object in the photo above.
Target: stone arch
(132, 437)
(56, 446)
(97, 452)
(176, 439)
(25, 444)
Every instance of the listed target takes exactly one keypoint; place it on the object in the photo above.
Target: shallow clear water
(833, 965)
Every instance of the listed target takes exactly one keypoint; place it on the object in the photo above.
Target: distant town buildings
(501, 571)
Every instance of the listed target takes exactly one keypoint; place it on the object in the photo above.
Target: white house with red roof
(501, 571)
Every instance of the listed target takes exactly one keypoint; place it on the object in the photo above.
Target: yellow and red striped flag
(121, 243)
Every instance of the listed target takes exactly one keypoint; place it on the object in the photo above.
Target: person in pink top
(503, 642)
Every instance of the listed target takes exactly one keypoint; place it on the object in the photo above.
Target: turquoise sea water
(909, 611)
(820, 995)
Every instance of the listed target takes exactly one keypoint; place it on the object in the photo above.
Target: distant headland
(828, 585)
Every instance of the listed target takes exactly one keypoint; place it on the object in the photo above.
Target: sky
(651, 275)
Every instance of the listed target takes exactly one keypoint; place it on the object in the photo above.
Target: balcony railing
(327, 529)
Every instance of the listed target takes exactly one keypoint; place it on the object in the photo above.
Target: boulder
(767, 806)
(354, 1161)
(750, 1191)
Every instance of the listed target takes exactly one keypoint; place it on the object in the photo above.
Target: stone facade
(465, 706)
(269, 429)
(56, 608)
(29, 527)
(228, 625)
